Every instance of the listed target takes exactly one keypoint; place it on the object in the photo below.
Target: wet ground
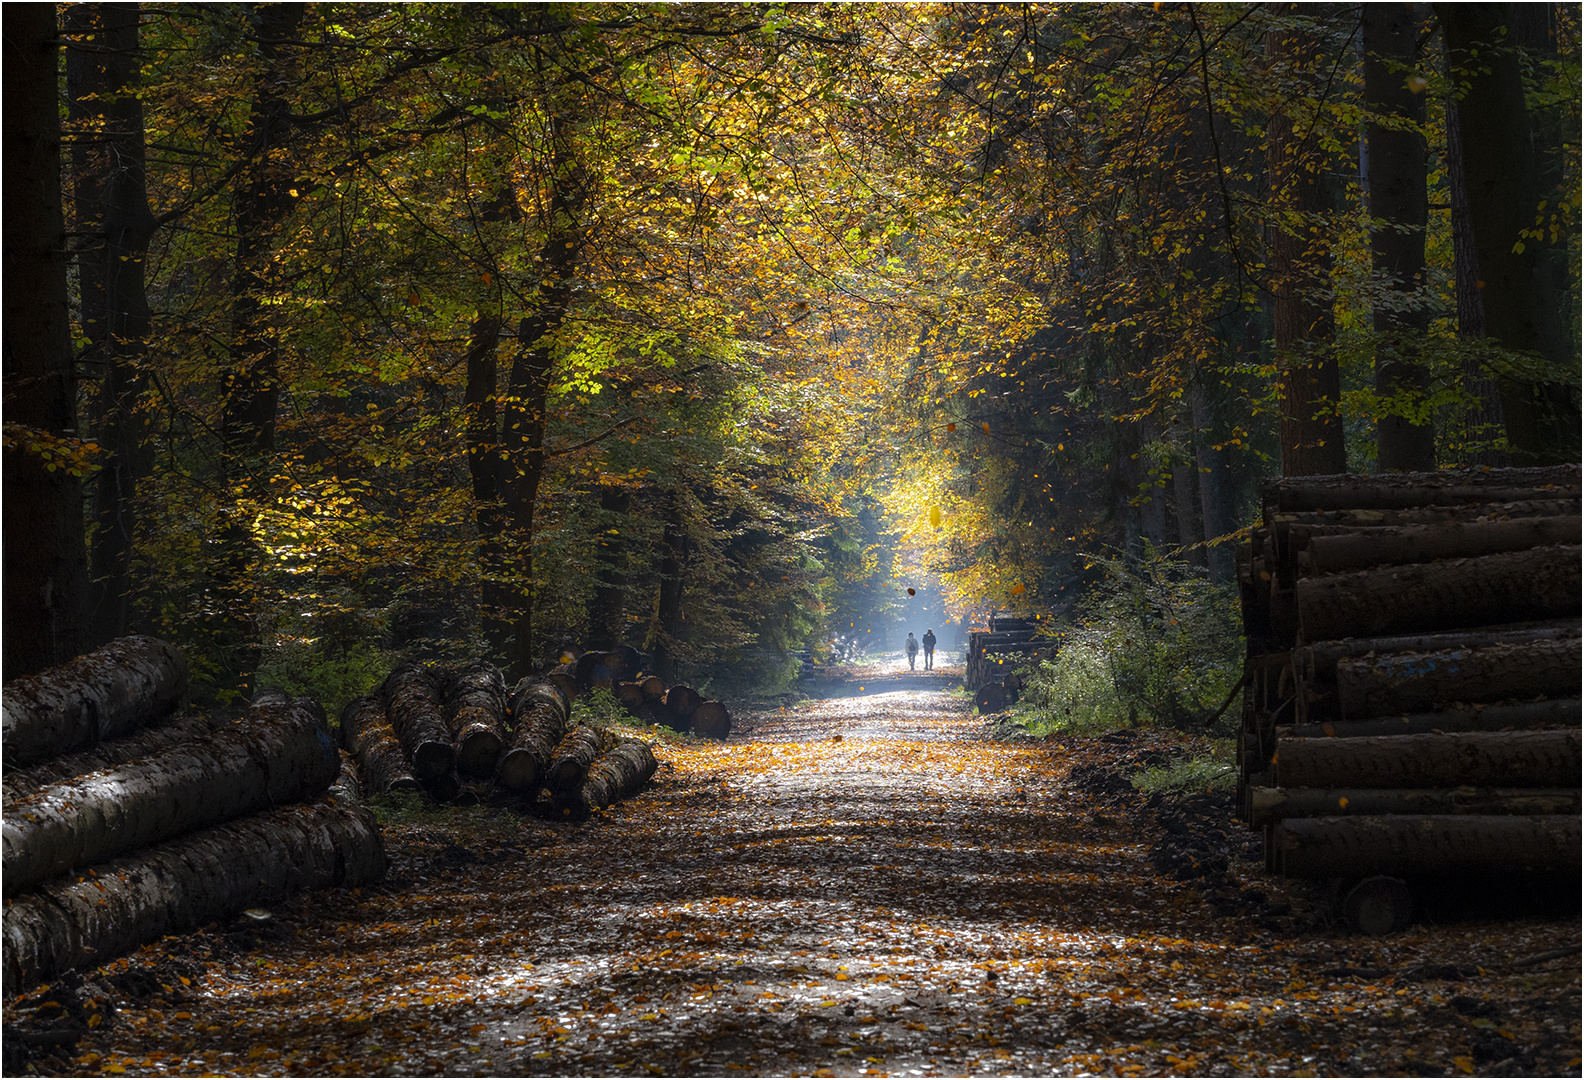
(863, 886)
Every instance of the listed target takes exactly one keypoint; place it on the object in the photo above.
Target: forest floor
(861, 886)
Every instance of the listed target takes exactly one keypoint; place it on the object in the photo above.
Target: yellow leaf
(935, 517)
(986, 425)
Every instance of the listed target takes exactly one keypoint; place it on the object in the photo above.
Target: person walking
(929, 650)
(912, 649)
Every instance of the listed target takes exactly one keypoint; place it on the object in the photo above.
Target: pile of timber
(460, 736)
(1011, 641)
(125, 821)
(1412, 689)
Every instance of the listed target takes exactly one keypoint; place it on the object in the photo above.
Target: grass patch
(1211, 766)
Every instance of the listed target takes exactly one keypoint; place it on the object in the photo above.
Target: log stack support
(1411, 690)
(155, 823)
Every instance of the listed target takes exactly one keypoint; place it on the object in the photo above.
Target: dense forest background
(340, 331)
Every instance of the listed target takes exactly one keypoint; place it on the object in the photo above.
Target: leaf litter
(868, 886)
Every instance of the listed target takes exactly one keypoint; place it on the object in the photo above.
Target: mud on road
(864, 886)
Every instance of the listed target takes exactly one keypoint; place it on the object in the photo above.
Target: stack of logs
(1009, 641)
(461, 736)
(125, 821)
(1412, 686)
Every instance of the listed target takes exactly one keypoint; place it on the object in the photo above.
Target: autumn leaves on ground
(861, 886)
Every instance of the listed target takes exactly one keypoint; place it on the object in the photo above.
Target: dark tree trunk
(1398, 206)
(104, 694)
(112, 207)
(1501, 171)
(45, 549)
(1475, 758)
(1324, 847)
(666, 629)
(1310, 389)
(368, 735)
(607, 616)
(188, 882)
(416, 715)
(1215, 500)
(277, 754)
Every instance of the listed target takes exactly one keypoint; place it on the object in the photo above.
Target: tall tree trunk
(46, 565)
(1398, 210)
(1311, 389)
(250, 389)
(606, 616)
(1501, 171)
(1214, 498)
(111, 195)
(666, 629)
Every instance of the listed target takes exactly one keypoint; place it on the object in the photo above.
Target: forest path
(865, 886)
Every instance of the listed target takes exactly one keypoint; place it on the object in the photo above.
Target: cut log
(1477, 758)
(992, 698)
(174, 731)
(275, 755)
(711, 720)
(564, 680)
(1318, 661)
(631, 695)
(682, 700)
(655, 712)
(1378, 906)
(187, 882)
(1561, 712)
(541, 711)
(619, 774)
(1400, 845)
(1270, 805)
(1445, 487)
(578, 749)
(475, 705)
(532, 691)
(1425, 681)
(1361, 548)
(369, 736)
(1286, 526)
(447, 787)
(1541, 583)
(109, 692)
(348, 786)
(414, 710)
(654, 688)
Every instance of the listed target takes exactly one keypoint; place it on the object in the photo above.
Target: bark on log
(1479, 758)
(1291, 532)
(368, 735)
(348, 786)
(414, 710)
(185, 883)
(610, 666)
(174, 731)
(541, 711)
(475, 703)
(1541, 583)
(578, 749)
(1561, 712)
(1361, 548)
(654, 688)
(631, 695)
(101, 695)
(563, 680)
(1270, 805)
(1325, 847)
(619, 774)
(711, 720)
(1421, 682)
(447, 787)
(275, 755)
(682, 700)
(1318, 661)
(1377, 906)
(655, 712)
(992, 698)
(531, 691)
(1445, 487)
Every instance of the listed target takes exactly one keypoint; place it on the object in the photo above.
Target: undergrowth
(1210, 767)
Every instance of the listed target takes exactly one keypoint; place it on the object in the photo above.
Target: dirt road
(866, 886)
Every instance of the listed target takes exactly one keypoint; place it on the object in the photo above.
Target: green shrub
(1153, 643)
(1213, 770)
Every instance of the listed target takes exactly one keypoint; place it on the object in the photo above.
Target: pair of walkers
(912, 647)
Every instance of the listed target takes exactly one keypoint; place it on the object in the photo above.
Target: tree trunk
(106, 111)
(1325, 847)
(1212, 468)
(621, 773)
(607, 617)
(1270, 805)
(476, 713)
(174, 731)
(578, 749)
(1399, 210)
(1557, 713)
(1420, 682)
(666, 629)
(1480, 759)
(1540, 583)
(711, 720)
(109, 692)
(277, 754)
(415, 713)
(45, 549)
(1449, 487)
(541, 711)
(185, 883)
(368, 735)
(1310, 388)
(682, 700)
(1501, 170)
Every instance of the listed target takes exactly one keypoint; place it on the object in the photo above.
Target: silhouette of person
(929, 650)
(912, 649)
